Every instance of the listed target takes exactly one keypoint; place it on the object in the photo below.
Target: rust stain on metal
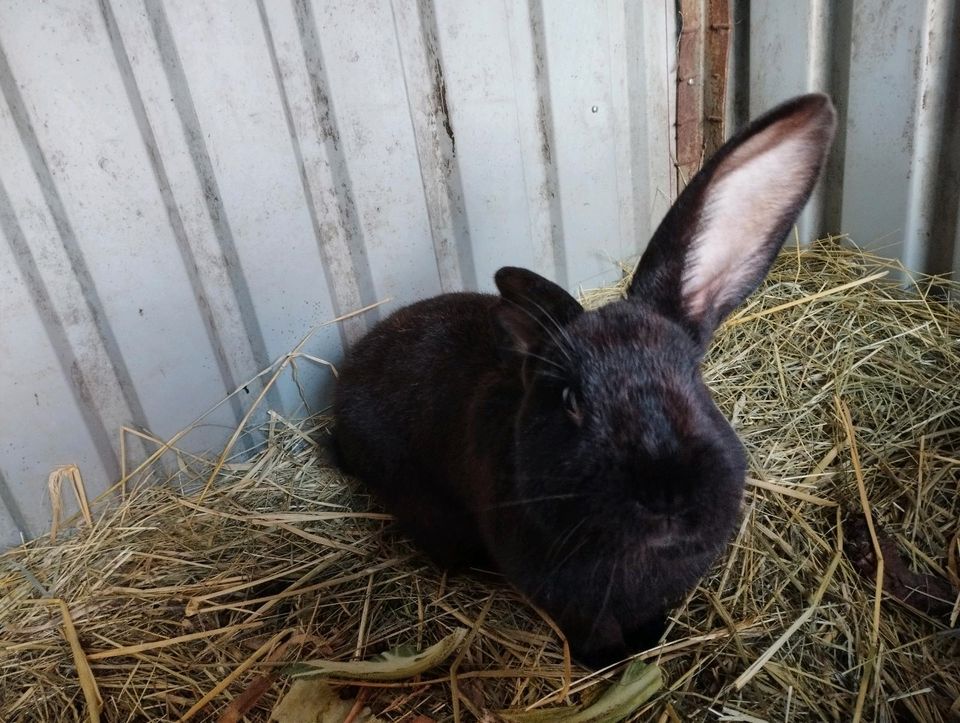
(440, 90)
(540, 76)
(543, 125)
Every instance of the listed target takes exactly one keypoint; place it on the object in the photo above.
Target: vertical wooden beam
(689, 90)
(716, 63)
(702, 61)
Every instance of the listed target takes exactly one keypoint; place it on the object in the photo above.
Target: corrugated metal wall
(187, 187)
(893, 68)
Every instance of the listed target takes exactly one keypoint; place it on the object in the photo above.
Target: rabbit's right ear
(718, 240)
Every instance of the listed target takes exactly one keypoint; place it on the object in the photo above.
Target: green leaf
(636, 686)
(388, 666)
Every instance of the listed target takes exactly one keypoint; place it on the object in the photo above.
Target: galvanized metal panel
(480, 97)
(893, 68)
(368, 91)
(188, 187)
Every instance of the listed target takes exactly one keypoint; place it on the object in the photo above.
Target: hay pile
(187, 599)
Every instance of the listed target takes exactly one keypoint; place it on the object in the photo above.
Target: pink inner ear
(749, 195)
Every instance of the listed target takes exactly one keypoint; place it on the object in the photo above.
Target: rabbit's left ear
(718, 240)
(533, 309)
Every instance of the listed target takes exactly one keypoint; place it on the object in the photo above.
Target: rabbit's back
(415, 370)
(402, 406)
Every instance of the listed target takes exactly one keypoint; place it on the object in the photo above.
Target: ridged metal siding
(188, 187)
(893, 68)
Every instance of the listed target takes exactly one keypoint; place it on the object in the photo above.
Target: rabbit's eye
(571, 404)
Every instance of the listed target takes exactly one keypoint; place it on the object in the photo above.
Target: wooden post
(716, 62)
(689, 91)
(702, 58)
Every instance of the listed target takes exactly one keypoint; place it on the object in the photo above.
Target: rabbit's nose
(662, 501)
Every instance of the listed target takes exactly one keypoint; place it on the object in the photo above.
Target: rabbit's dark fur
(580, 453)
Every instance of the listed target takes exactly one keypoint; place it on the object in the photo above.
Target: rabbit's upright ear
(533, 310)
(716, 244)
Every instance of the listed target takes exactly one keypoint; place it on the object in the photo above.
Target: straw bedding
(190, 596)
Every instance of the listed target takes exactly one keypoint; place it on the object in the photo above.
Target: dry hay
(182, 598)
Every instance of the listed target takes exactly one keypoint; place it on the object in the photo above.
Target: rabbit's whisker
(531, 500)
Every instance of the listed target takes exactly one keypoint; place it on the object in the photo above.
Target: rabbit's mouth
(667, 537)
(677, 533)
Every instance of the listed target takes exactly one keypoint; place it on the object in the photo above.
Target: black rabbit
(580, 453)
